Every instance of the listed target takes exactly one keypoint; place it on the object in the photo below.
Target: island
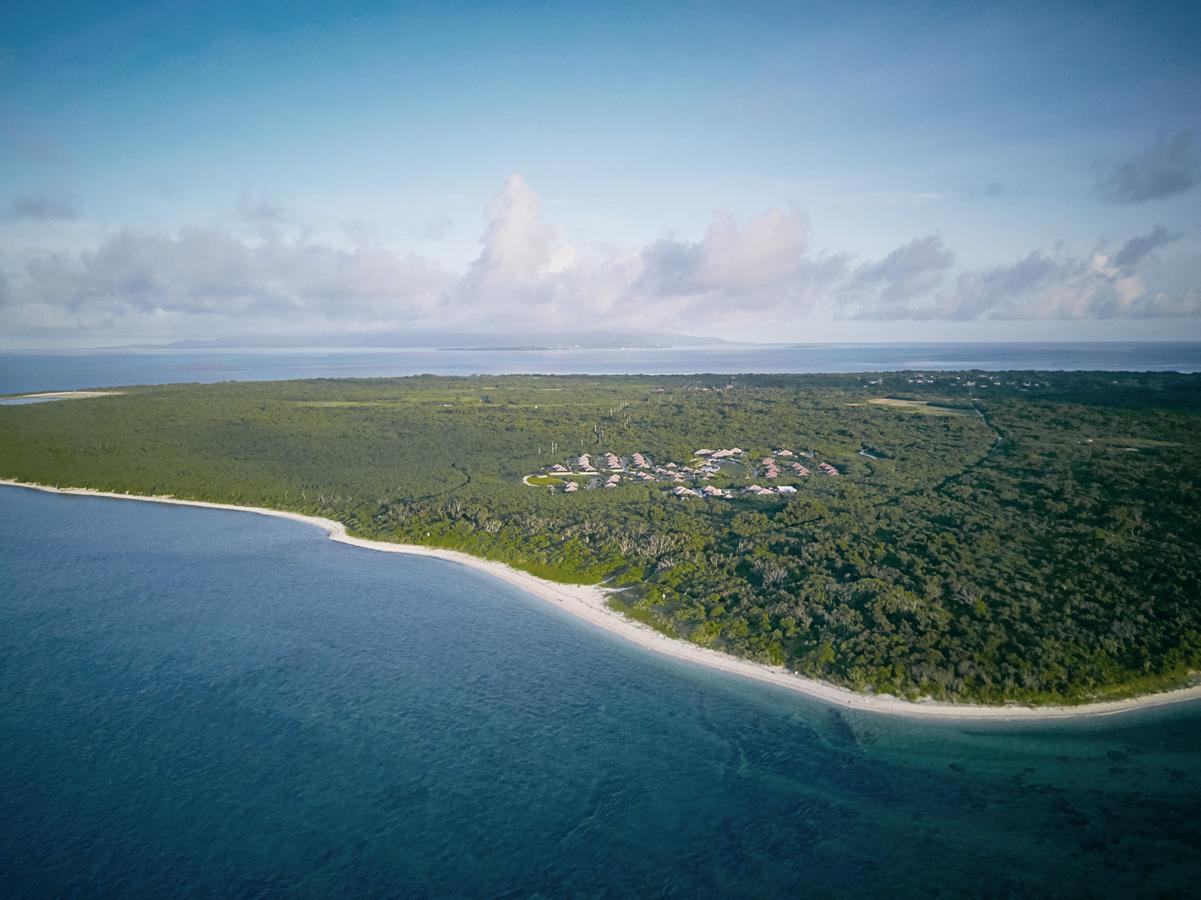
(972, 538)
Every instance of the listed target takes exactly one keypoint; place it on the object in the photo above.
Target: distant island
(526, 348)
(968, 537)
(452, 340)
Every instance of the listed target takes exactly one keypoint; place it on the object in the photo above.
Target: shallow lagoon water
(68, 370)
(200, 701)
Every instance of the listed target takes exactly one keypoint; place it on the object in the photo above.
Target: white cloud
(524, 274)
(519, 247)
(754, 275)
(765, 262)
(207, 273)
(1102, 284)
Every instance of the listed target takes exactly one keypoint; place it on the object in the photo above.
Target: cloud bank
(40, 205)
(1170, 166)
(760, 272)
(206, 275)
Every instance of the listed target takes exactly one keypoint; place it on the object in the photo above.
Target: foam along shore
(588, 603)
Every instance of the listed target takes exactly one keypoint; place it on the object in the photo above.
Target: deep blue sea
(69, 370)
(206, 702)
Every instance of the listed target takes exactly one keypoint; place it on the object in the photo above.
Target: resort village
(780, 471)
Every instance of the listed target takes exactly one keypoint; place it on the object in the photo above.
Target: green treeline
(1025, 536)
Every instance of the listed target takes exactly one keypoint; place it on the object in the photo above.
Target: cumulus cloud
(525, 272)
(763, 262)
(1103, 284)
(41, 205)
(519, 247)
(1170, 166)
(751, 273)
(208, 273)
(528, 274)
(767, 264)
(911, 271)
(732, 256)
(1135, 249)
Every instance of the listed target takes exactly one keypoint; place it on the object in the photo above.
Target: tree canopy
(1023, 536)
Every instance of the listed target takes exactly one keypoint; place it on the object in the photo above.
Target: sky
(767, 172)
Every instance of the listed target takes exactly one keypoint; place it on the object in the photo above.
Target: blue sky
(760, 171)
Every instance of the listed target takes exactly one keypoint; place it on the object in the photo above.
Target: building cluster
(771, 469)
(706, 491)
(688, 480)
(783, 490)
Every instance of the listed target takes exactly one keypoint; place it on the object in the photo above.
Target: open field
(921, 407)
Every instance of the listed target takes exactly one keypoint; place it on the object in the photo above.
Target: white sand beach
(65, 395)
(588, 603)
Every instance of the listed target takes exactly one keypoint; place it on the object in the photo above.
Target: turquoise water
(206, 702)
(67, 370)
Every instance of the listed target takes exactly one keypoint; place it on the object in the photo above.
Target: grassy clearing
(919, 407)
(1137, 443)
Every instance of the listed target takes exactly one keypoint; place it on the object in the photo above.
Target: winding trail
(998, 440)
(996, 445)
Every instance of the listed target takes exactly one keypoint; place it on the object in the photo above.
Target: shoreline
(63, 395)
(587, 602)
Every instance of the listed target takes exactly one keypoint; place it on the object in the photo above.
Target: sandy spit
(65, 395)
(588, 603)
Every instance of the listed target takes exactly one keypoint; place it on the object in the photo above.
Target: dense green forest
(1026, 536)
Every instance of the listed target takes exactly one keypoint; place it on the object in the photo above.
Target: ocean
(72, 370)
(203, 702)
